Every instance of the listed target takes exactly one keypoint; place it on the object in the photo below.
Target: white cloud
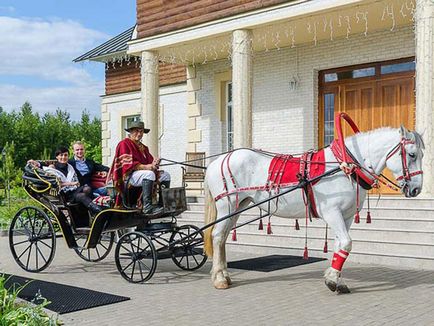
(44, 49)
(72, 99)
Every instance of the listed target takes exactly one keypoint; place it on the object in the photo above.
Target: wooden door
(372, 102)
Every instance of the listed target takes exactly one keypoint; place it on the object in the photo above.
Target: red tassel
(297, 226)
(234, 235)
(368, 217)
(261, 225)
(326, 249)
(357, 218)
(269, 228)
(305, 254)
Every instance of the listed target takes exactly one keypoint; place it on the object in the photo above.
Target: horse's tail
(210, 216)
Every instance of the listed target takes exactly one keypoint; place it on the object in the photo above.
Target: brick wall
(285, 120)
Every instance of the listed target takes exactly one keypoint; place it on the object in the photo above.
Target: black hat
(137, 125)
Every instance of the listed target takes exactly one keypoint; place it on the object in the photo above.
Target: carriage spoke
(141, 272)
(123, 270)
(48, 246)
(132, 270)
(42, 226)
(102, 245)
(97, 252)
(21, 242)
(24, 251)
(146, 266)
(194, 257)
(28, 257)
(36, 255)
(43, 257)
(125, 248)
(20, 232)
(25, 226)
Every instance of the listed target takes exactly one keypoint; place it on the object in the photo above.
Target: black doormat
(63, 298)
(271, 263)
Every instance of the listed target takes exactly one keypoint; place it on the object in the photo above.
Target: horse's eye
(412, 155)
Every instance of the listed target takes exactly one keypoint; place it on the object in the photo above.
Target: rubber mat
(271, 263)
(63, 298)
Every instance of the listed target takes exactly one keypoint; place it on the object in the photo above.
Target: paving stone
(295, 296)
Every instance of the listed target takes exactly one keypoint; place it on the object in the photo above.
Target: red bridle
(400, 148)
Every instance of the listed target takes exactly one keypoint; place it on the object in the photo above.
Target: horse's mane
(371, 132)
(414, 135)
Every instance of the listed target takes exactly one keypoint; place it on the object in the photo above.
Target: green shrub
(7, 213)
(23, 313)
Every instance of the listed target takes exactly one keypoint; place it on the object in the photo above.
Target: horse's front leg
(343, 244)
(219, 274)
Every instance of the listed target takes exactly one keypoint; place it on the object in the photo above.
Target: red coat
(127, 156)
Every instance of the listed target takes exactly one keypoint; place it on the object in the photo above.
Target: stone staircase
(401, 233)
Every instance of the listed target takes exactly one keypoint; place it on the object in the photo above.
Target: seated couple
(75, 175)
(133, 165)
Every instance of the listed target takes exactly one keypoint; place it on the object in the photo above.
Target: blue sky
(39, 40)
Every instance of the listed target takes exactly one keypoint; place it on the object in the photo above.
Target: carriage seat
(39, 178)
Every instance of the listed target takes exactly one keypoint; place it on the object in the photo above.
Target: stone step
(376, 210)
(384, 201)
(363, 247)
(355, 256)
(358, 232)
(405, 222)
(401, 202)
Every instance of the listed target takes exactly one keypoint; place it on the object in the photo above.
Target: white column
(242, 76)
(425, 87)
(149, 98)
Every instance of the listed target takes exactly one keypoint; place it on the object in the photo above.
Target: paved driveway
(293, 296)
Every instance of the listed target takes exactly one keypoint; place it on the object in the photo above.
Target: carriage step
(83, 230)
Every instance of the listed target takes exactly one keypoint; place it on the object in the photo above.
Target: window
(126, 122)
(349, 74)
(329, 113)
(229, 117)
(398, 67)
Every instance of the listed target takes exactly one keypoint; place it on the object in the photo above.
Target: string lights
(286, 34)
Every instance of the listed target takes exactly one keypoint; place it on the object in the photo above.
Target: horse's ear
(403, 131)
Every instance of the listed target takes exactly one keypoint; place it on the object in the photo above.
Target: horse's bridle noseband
(400, 148)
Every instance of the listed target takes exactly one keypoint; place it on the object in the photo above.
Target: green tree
(27, 133)
(9, 173)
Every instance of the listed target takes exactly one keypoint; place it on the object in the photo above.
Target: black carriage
(141, 239)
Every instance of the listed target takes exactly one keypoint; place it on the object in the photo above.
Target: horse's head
(405, 162)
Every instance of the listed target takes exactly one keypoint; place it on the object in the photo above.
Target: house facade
(271, 75)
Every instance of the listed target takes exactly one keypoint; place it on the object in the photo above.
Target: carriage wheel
(32, 239)
(188, 254)
(136, 257)
(102, 249)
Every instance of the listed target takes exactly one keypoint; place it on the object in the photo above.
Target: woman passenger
(69, 183)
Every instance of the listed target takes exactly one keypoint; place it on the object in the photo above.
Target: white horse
(398, 149)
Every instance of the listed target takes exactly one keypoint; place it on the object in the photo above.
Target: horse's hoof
(331, 285)
(221, 285)
(228, 279)
(343, 289)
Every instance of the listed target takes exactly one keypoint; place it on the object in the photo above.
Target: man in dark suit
(85, 168)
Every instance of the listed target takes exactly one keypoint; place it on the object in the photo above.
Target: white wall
(173, 106)
(284, 120)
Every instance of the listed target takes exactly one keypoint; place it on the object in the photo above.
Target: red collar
(364, 179)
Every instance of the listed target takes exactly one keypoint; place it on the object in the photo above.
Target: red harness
(351, 167)
(284, 171)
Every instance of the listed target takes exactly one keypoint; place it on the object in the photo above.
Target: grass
(18, 199)
(13, 313)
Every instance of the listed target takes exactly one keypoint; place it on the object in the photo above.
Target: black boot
(148, 208)
(163, 185)
(94, 208)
